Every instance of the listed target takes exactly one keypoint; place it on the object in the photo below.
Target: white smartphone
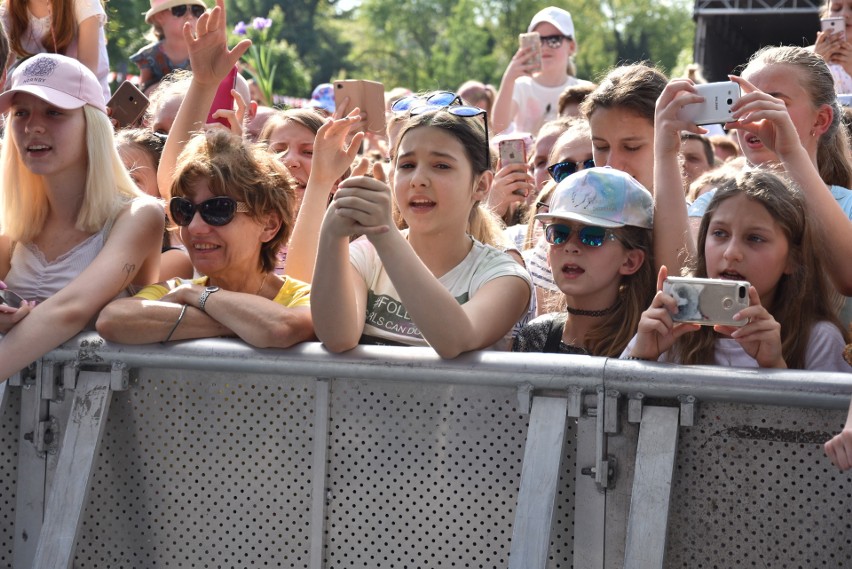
(834, 25)
(707, 301)
(716, 108)
(533, 40)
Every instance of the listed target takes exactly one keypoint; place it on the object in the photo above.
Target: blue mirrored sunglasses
(437, 99)
(562, 170)
(590, 235)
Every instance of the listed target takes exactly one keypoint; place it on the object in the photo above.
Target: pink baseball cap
(59, 80)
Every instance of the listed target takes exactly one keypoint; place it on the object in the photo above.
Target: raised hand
(362, 203)
(209, 56)
(667, 125)
(332, 154)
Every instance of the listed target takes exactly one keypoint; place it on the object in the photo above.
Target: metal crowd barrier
(215, 454)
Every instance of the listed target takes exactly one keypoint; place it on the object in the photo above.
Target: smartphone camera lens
(730, 101)
(131, 98)
(742, 292)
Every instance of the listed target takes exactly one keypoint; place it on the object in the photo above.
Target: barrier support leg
(318, 488)
(539, 481)
(647, 523)
(67, 500)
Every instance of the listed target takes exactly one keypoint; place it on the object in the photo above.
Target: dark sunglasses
(180, 11)
(590, 235)
(554, 42)
(10, 298)
(562, 170)
(438, 99)
(217, 211)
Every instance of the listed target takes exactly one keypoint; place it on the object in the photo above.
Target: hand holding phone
(223, 98)
(127, 104)
(532, 40)
(707, 301)
(834, 26)
(369, 96)
(716, 108)
(10, 298)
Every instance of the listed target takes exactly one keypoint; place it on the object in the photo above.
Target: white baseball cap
(559, 18)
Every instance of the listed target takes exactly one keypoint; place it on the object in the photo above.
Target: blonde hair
(23, 198)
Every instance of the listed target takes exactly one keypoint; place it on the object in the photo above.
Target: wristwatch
(202, 300)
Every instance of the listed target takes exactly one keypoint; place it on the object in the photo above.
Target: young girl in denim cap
(432, 285)
(76, 232)
(599, 231)
(71, 27)
(756, 229)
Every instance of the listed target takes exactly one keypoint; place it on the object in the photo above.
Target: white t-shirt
(824, 353)
(538, 104)
(387, 318)
(83, 10)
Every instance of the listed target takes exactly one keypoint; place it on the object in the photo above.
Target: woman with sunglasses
(234, 204)
(76, 230)
(529, 95)
(432, 285)
(599, 231)
(168, 50)
(74, 28)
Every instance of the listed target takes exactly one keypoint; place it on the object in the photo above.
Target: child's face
(141, 167)
(555, 58)
(293, 145)
(625, 141)
(434, 181)
(786, 83)
(744, 242)
(590, 276)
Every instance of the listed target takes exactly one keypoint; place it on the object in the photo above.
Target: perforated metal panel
(422, 476)
(202, 470)
(753, 488)
(9, 433)
(562, 534)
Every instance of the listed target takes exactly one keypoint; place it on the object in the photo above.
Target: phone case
(707, 301)
(369, 96)
(834, 25)
(716, 108)
(533, 40)
(127, 104)
(223, 98)
(512, 151)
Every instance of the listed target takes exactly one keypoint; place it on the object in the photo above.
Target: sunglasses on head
(554, 42)
(216, 211)
(562, 170)
(438, 99)
(180, 11)
(590, 235)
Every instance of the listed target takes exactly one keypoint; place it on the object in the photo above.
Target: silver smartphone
(834, 25)
(10, 298)
(707, 301)
(533, 40)
(716, 108)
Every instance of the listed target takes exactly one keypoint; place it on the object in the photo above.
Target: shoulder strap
(554, 334)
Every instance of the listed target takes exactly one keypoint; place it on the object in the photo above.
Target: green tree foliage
(426, 44)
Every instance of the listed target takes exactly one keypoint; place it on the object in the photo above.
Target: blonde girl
(76, 232)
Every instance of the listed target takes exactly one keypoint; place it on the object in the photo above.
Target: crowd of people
(283, 226)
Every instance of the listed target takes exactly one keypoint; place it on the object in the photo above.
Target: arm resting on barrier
(130, 256)
(254, 319)
(839, 448)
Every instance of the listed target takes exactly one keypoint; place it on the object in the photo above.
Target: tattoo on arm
(128, 268)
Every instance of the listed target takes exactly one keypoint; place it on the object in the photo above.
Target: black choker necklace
(594, 313)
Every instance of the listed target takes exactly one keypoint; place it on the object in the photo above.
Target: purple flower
(261, 24)
(240, 29)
